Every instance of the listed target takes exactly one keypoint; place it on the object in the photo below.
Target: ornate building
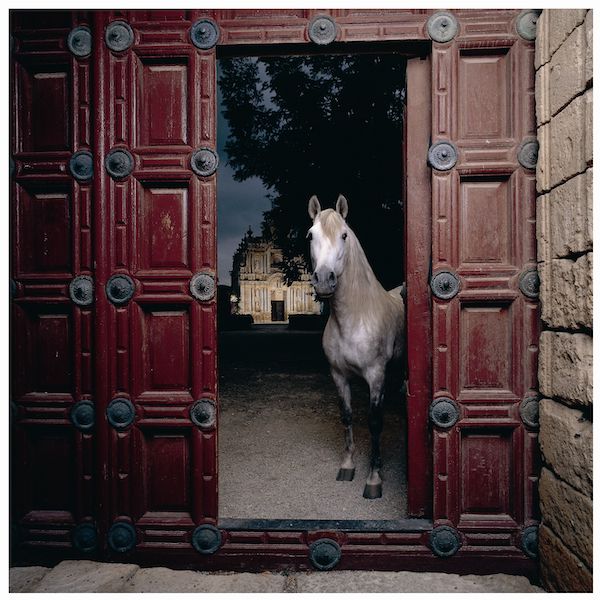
(258, 288)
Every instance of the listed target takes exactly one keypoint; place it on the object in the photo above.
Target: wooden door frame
(417, 253)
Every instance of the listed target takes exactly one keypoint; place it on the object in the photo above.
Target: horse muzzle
(324, 283)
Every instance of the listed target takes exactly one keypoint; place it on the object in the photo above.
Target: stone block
(566, 443)
(589, 127)
(589, 209)
(566, 292)
(589, 47)
(542, 169)
(568, 513)
(560, 569)
(542, 95)
(542, 40)
(163, 580)
(568, 143)
(560, 24)
(542, 228)
(86, 576)
(543, 233)
(567, 70)
(408, 582)
(565, 219)
(24, 579)
(565, 367)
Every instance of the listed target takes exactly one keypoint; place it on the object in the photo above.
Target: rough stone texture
(542, 95)
(567, 70)
(569, 141)
(566, 292)
(24, 579)
(542, 168)
(564, 219)
(589, 48)
(560, 569)
(568, 513)
(161, 580)
(563, 60)
(86, 576)
(566, 443)
(408, 582)
(565, 367)
(561, 24)
(589, 127)
(542, 50)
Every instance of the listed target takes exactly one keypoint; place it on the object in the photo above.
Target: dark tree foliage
(321, 125)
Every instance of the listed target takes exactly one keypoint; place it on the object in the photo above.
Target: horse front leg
(347, 468)
(373, 486)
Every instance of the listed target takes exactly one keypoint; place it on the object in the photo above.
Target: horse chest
(354, 348)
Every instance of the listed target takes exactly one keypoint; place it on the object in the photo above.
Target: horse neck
(358, 290)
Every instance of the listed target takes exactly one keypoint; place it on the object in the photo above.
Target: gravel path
(281, 440)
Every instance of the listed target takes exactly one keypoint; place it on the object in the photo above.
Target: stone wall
(563, 65)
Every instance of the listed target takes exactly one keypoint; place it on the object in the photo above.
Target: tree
(321, 125)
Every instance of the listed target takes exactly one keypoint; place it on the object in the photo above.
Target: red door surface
(156, 125)
(113, 390)
(484, 284)
(55, 472)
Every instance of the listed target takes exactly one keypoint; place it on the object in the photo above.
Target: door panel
(53, 476)
(158, 97)
(45, 222)
(484, 337)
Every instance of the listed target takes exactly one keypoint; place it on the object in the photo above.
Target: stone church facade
(257, 283)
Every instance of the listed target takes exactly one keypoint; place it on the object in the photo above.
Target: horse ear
(314, 208)
(341, 206)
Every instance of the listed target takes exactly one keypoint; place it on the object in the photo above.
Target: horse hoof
(345, 475)
(372, 491)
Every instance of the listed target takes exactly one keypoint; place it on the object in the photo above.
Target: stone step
(90, 576)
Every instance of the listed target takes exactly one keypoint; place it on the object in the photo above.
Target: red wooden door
(114, 437)
(156, 277)
(485, 313)
(54, 474)
(113, 384)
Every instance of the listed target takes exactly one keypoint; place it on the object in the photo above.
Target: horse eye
(344, 236)
(309, 236)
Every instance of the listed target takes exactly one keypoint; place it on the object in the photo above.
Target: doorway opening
(277, 310)
(290, 126)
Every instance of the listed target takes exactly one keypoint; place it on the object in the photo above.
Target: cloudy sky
(239, 204)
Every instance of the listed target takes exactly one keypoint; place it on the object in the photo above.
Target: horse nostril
(332, 277)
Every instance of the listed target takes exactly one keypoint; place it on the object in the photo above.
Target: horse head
(328, 247)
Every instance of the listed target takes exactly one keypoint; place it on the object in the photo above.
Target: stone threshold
(78, 576)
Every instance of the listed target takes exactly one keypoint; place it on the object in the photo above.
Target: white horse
(365, 329)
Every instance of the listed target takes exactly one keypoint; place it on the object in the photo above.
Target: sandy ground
(281, 439)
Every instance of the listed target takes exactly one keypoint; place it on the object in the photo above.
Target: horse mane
(364, 293)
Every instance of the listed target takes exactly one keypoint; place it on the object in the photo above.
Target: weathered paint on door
(113, 439)
(483, 232)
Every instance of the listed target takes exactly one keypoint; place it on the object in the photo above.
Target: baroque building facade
(258, 288)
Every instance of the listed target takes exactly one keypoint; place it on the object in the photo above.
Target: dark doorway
(277, 310)
(290, 127)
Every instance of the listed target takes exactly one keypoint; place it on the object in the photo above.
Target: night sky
(317, 115)
(239, 204)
